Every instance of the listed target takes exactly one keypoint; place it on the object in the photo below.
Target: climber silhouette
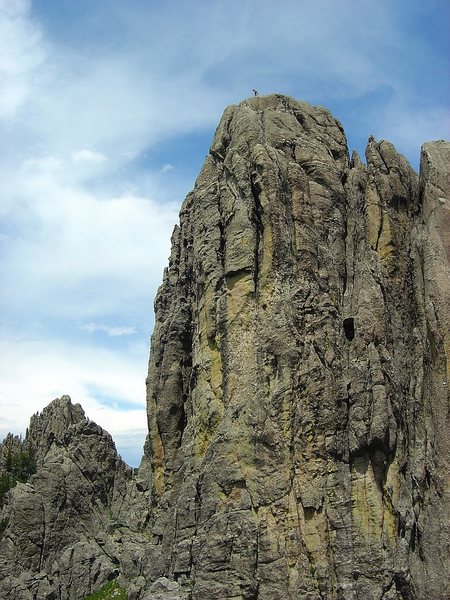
(255, 92)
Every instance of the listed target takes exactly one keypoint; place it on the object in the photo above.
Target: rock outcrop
(297, 391)
(58, 541)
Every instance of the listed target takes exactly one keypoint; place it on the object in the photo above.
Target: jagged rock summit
(297, 392)
(59, 524)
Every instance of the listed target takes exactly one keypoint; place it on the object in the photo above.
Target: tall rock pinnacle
(297, 393)
(297, 389)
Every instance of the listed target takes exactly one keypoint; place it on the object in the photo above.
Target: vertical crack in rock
(257, 211)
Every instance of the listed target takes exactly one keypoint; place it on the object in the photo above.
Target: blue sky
(107, 110)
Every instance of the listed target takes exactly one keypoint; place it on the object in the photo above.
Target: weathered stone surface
(297, 390)
(429, 415)
(51, 425)
(297, 446)
(60, 532)
(164, 589)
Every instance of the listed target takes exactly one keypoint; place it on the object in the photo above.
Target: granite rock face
(297, 393)
(58, 541)
(298, 404)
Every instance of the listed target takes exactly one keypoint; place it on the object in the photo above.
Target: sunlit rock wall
(297, 389)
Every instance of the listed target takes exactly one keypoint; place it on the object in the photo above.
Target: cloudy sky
(107, 110)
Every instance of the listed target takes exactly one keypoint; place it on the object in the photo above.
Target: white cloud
(112, 331)
(167, 167)
(36, 370)
(21, 52)
(88, 156)
(95, 255)
(111, 101)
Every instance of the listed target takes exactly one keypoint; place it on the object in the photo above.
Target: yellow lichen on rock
(207, 395)
(367, 504)
(372, 512)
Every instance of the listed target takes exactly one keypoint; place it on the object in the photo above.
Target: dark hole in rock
(349, 328)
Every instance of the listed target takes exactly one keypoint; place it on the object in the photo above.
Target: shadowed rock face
(297, 389)
(297, 392)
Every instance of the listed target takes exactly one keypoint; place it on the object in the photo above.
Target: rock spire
(297, 391)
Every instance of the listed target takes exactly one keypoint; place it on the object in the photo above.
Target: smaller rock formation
(59, 525)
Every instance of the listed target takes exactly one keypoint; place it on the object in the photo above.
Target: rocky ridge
(297, 391)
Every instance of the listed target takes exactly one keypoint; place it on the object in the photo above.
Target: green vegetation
(110, 591)
(17, 467)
